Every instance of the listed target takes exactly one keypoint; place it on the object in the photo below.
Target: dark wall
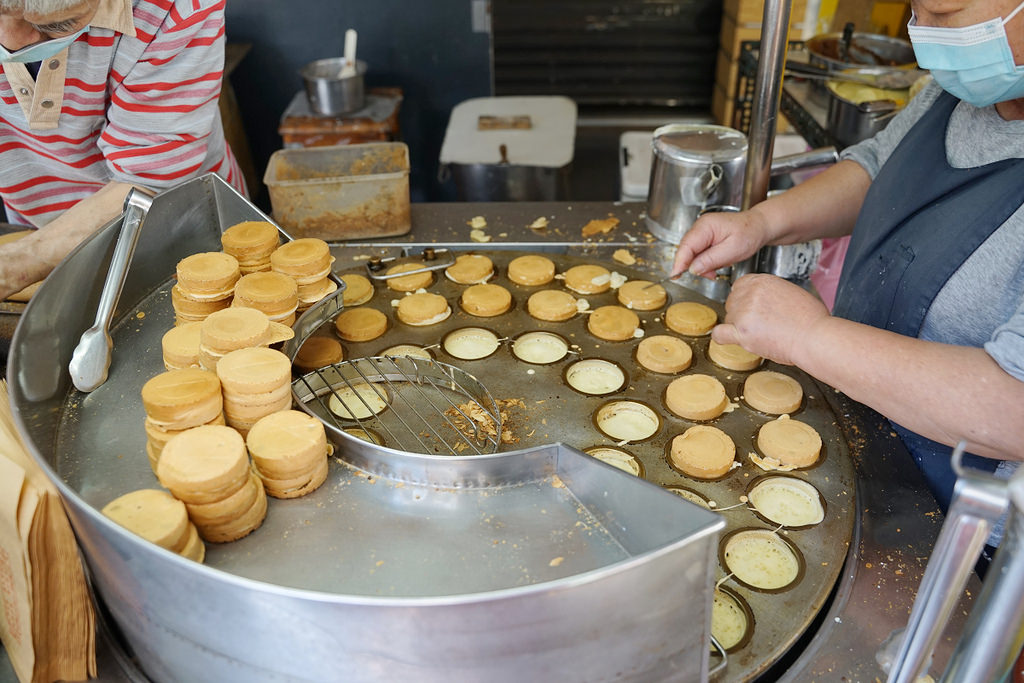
(426, 47)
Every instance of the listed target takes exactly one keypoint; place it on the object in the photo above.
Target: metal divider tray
(514, 566)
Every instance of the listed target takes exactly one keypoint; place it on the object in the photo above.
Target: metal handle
(821, 156)
(91, 358)
(136, 206)
(978, 502)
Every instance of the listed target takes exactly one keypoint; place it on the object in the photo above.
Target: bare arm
(32, 258)
(826, 205)
(940, 391)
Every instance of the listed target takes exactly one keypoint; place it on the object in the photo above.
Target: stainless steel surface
(91, 358)
(528, 562)
(424, 401)
(994, 634)
(866, 49)
(979, 500)
(896, 520)
(329, 92)
(764, 113)
(850, 122)
(695, 166)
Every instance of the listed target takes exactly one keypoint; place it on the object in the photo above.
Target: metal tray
(530, 563)
(557, 413)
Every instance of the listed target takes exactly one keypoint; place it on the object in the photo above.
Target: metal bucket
(695, 166)
(398, 567)
(328, 93)
(850, 122)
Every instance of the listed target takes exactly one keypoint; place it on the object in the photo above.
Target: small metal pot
(328, 92)
(695, 166)
(850, 122)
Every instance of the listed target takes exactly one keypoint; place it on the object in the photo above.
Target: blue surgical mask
(39, 51)
(974, 63)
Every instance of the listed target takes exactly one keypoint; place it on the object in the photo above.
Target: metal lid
(699, 142)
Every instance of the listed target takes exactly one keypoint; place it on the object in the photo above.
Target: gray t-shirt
(982, 304)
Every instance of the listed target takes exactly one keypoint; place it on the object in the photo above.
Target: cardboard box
(752, 11)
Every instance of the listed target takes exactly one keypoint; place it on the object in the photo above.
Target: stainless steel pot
(850, 122)
(694, 166)
(631, 601)
(328, 92)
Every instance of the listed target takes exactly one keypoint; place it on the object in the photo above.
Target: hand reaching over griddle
(720, 239)
(769, 316)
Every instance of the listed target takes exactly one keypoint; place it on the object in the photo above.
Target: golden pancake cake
(642, 295)
(703, 452)
(588, 279)
(180, 347)
(613, 323)
(318, 352)
(306, 260)
(732, 356)
(790, 442)
(486, 301)
(664, 353)
(553, 305)
(204, 464)
(289, 453)
(409, 283)
(696, 397)
(531, 270)
(358, 290)
(470, 269)
(690, 318)
(208, 275)
(179, 399)
(251, 243)
(275, 294)
(772, 392)
(361, 324)
(155, 515)
(423, 308)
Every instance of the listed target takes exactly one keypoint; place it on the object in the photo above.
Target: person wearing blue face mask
(97, 97)
(928, 325)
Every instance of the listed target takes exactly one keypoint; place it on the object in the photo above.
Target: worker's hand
(20, 266)
(770, 316)
(720, 239)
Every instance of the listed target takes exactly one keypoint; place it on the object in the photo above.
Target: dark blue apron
(920, 221)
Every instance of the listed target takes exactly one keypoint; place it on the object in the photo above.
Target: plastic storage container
(341, 193)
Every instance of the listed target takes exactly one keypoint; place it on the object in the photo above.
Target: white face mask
(974, 63)
(39, 51)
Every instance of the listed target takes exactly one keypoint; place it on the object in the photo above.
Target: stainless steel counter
(897, 521)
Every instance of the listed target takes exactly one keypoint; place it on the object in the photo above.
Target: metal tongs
(91, 359)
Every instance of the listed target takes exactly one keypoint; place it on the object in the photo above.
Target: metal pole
(764, 117)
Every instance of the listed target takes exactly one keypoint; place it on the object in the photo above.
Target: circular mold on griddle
(411, 350)
(368, 435)
(540, 348)
(761, 559)
(359, 401)
(595, 376)
(787, 501)
(732, 621)
(616, 457)
(627, 420)
(690, 495)
(470, 343)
